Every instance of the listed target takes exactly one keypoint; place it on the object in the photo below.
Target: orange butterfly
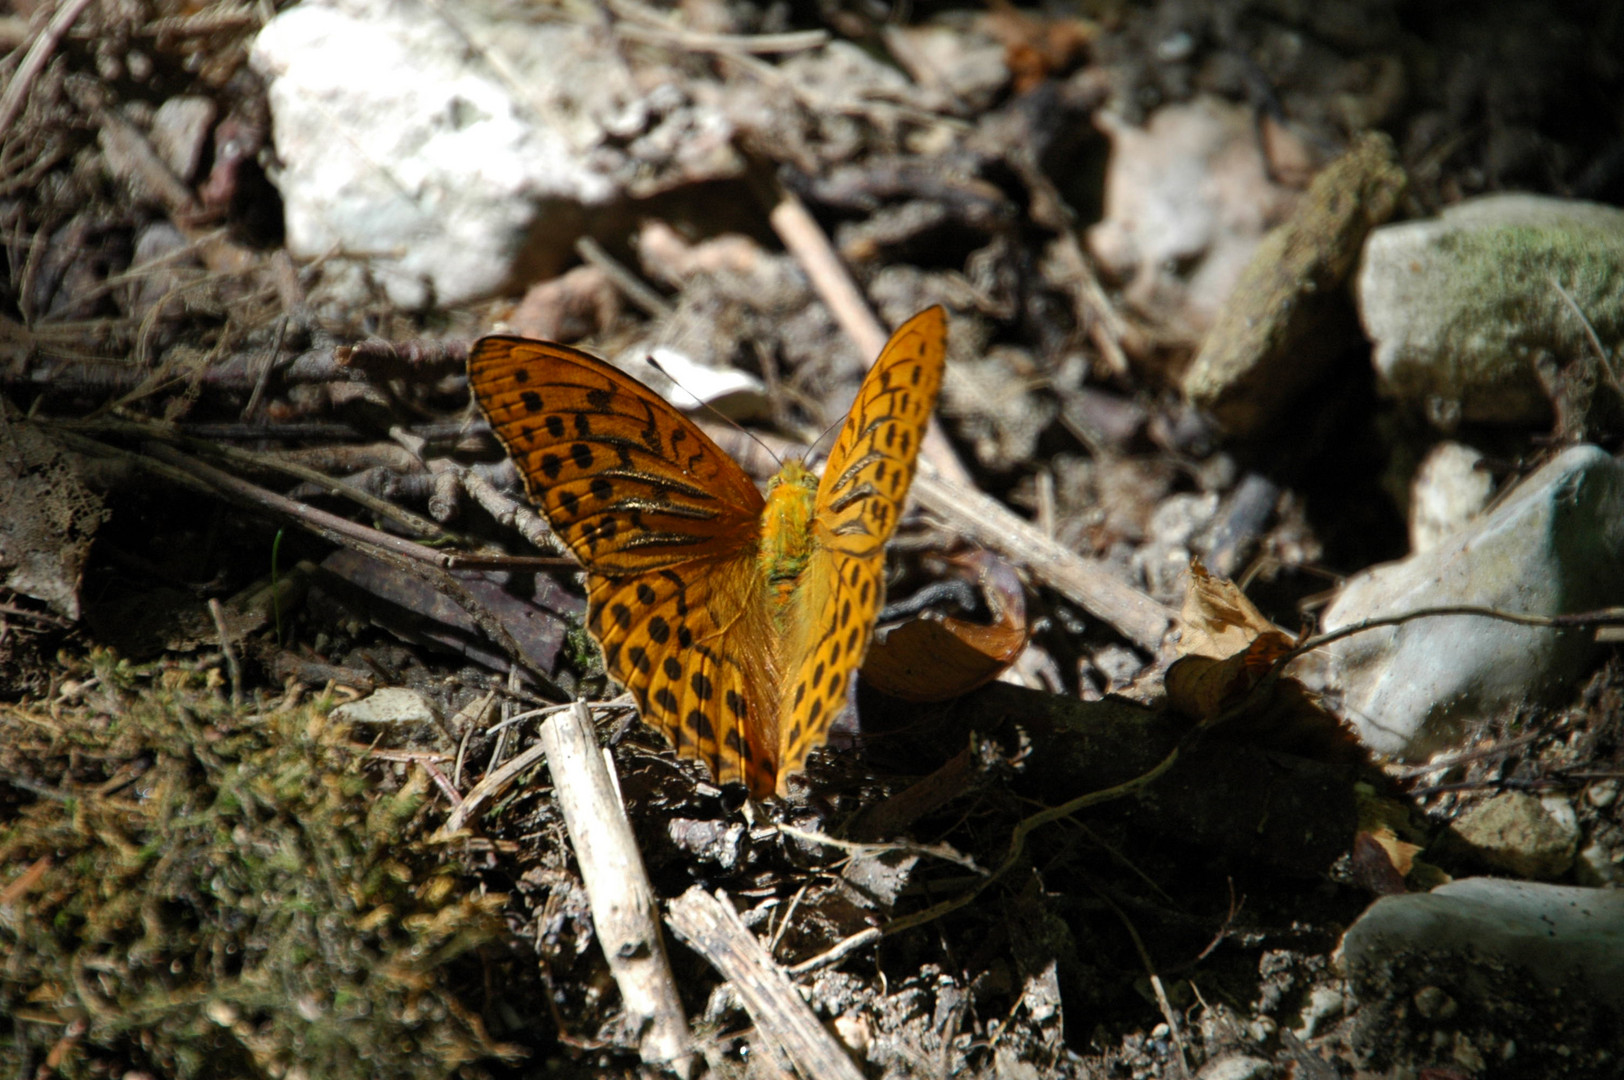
(736, 621)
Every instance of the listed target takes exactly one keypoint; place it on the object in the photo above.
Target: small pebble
(1434, 1004)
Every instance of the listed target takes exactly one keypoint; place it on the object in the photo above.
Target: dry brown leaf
(1217, 618)
(936, 657)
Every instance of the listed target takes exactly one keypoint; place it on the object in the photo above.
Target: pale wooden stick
(714, 930)
(972, 516)
(623, 906)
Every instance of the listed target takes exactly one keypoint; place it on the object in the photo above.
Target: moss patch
(201, 890)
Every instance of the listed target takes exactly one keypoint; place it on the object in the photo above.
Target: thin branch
(1017, 842)
(1613, 616)
(636, 289)
(38, 53)
(230, 654)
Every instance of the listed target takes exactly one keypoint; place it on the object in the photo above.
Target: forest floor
(205, 872)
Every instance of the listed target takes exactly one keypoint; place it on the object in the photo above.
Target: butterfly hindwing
(666, 637)
(840, 618)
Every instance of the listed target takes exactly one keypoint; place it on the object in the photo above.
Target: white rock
(387, 705)
(451, 154)
(1447, 492)
(1324, 1005)
(1460, 306)
(1236, 1067)
(1554, 545)
(1598, 864)
(1515, 832)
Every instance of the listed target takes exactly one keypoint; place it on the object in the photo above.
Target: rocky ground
(1322, 301)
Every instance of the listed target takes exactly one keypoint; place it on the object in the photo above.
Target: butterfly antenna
(814, 444)
(713, 410)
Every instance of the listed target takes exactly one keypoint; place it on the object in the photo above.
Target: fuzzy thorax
(786, 527)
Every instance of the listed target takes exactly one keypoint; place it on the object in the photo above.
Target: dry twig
(624, 912)
(713, 929)
(1017, 842)
(38, 53)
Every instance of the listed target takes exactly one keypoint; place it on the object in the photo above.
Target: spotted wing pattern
(669, 530)
(865, 483)
(629, 484)
(676, 640)
(667, 527)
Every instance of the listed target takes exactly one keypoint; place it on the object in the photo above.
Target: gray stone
(387, 705)
(180, 132)
(1554, 545)
(160, 270)
(1516, 832)
(1462, 307)
(1562, 941)
(1490, 977)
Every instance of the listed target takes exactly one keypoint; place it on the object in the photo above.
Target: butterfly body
(737, 621)
(786, 527)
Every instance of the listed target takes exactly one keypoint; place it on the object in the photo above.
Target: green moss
(582, 652)
(226, 894)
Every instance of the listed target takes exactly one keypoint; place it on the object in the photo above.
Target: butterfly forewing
(866, 478)
(860, 498)
(627, 482)
(665, 524)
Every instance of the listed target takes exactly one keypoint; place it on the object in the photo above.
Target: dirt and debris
(239, 488)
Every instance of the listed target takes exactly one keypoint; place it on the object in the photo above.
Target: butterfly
(736, 620)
